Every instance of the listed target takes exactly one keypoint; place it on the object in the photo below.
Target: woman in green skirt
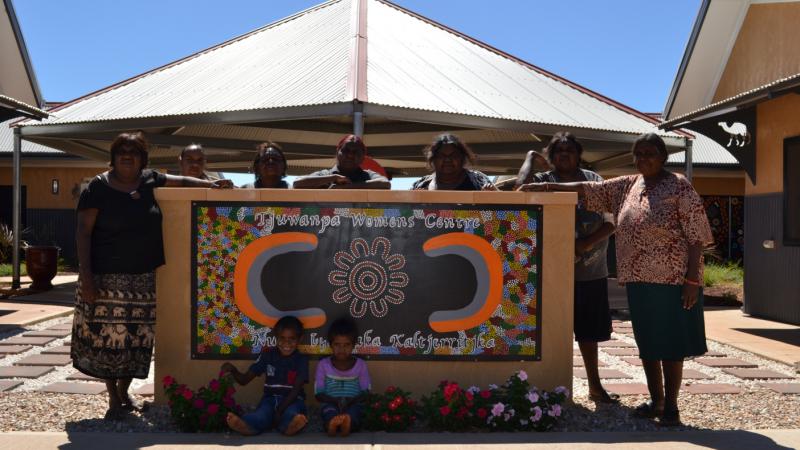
(661, 230)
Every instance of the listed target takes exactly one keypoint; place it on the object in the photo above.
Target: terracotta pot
(42, 264)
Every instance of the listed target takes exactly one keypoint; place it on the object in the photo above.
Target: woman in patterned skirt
(661, 231)
(119, 247)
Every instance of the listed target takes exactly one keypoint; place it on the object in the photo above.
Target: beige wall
(766, 49)
(38, 181)
(555, 368)
(777, 120)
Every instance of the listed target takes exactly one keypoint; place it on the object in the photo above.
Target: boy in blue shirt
(286, 371)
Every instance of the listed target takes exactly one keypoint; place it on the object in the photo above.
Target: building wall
(38, 181)
(718, 186)
(766, 49)
(777, 120)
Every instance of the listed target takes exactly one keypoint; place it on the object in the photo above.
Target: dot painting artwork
(440, 282)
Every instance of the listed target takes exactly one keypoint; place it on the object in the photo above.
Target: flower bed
(204, 410)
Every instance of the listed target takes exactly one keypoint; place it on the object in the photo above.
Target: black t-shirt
(281, 372)
(127, 232)
(474, 181)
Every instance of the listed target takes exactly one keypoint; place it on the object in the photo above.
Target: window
(791, 191)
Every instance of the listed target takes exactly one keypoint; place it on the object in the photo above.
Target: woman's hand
(533, 187)
(222, 184)
(88, 291)
(488, 187)
(690, 295)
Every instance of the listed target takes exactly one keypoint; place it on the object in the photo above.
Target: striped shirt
(338, 383)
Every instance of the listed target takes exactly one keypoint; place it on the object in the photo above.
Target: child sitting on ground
(342, 381)
(286, 369)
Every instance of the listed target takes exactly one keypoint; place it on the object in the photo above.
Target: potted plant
(41, 262)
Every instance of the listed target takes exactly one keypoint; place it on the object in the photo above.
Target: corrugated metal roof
(7, 142)
(307, 59)
(417, 64)
(302, 60)
(705, 151)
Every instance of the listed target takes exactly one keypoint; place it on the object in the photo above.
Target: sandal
(135, 405)
(670, 418)
(114, 414)
(605, 397)
(648, 410)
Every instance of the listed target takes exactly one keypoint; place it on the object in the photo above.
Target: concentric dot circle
(368, 280)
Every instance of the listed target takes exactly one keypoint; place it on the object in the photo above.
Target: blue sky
(628, 50)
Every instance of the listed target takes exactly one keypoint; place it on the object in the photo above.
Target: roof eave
(687, 55)
(23, 50)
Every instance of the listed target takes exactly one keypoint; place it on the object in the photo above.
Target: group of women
(657, 217)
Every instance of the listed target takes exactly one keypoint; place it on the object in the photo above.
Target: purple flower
(522, 375)
(532, 397)
(498, 409)
(556, 409)
(537, 414)
(562, 390)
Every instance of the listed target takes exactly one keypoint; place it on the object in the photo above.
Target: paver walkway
(29, 357)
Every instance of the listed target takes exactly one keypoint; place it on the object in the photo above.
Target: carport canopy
(344, 66)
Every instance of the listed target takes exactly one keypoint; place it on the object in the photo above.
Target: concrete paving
(728, 440)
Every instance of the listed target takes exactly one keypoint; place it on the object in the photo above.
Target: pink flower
(213, 408)
(168, 381)
(444, 410)
(522, 375)
(537, 414)
(214, 385)
(228, 402)
(187, 394)
(199, 403)
(450, 390)
(498, 409)
(555, 411)
(230, 391)
(532, 397)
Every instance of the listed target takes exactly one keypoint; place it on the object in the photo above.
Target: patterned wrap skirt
(662, 328)
(113, 337)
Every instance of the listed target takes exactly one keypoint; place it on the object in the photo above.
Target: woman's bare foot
(346, 423)
(334, 424)
(298, 423)
(238, 425)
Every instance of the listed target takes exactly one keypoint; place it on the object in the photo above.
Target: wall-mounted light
(54, 186)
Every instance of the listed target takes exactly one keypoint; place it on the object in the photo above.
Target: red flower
(393, 405)
(213, 408)
(199, 403)
(444, 410)
(397, 418)
(187, 394)
(486, 394)
(469, 396)
(376, 405)
(399, 400)
(482, 413)
(228, 402)
(168, 381)
(390, 389)
(462, 412)
(385, 417)
(214, 385)
(450, 390)
(231, 390)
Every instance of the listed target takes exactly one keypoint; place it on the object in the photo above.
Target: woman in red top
(661, 231)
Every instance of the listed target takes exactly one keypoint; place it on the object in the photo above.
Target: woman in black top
(449, 157)
(269, 167)
(119, 247)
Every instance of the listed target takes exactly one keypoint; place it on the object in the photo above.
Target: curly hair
(432, 150)
(134, 140)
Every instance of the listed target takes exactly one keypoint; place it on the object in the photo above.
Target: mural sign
(432, 281)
